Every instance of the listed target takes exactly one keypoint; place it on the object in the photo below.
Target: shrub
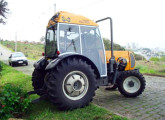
(13, 102)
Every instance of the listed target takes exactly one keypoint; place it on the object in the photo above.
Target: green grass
(45, 110)
(147, 70)
(156, 59)
(163, 65)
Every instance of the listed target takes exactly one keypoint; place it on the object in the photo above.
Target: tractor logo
(65, 19)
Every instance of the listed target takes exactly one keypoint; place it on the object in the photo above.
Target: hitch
(42, 97)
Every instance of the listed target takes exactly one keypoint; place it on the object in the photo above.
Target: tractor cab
(72, 34)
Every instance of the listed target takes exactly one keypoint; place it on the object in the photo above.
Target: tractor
(75, 64)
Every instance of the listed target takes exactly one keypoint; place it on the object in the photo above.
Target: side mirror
(10, 57)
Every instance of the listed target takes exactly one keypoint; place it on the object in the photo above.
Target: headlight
(122, 63)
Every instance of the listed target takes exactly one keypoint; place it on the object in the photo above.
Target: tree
(3, 10)
(107, 44)
(42, 39)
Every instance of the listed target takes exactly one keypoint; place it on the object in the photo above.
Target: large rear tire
(131, 83)
(38, 80)
(71, 84)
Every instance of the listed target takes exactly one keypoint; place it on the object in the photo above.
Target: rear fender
(40, 64)
(56, 61)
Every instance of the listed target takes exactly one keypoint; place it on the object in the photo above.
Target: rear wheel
(38, 79)
(71, 84)
(131, 83)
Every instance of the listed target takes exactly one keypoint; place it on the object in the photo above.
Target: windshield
(51, 43)
(18, 55)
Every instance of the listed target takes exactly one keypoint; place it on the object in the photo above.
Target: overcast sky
(138, 21)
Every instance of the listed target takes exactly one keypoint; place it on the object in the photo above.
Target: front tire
(131, 83)
(71, 84)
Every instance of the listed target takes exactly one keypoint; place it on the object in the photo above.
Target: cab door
(93, 47)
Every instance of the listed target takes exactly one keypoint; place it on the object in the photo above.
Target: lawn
(44, 110)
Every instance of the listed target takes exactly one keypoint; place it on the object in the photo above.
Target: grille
(132, 60)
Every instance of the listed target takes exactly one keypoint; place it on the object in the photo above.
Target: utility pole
(15, 41)
(54, 8)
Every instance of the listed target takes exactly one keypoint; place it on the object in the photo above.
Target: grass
(152, 67)
(45, 110)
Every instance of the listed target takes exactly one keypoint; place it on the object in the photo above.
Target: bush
(13, 102)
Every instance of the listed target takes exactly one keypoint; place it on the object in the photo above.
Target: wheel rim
(131, 84)
(75, 85)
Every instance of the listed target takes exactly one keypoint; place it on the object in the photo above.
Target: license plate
(20, 61)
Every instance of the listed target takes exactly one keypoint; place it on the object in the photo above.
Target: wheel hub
(75, 85)
(131, 83)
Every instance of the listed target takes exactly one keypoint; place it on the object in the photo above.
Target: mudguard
(55, 62)
(40, 64)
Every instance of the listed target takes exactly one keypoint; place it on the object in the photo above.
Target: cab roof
(65, 17)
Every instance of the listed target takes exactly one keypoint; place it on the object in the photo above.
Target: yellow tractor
(75, 64)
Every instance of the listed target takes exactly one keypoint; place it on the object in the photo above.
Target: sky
(134, 21)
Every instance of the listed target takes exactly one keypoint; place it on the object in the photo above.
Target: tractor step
(36, 91)
(42, 97)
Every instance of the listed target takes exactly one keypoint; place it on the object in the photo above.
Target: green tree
(3, 11)
(107, 44)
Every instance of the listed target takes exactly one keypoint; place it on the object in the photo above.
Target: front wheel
(131, 83)
(71, 84)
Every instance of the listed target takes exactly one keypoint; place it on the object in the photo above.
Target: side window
(51, 43)
(69, 38)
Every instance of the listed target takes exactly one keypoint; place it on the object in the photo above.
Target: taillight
(43, 54)
(58, 52)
